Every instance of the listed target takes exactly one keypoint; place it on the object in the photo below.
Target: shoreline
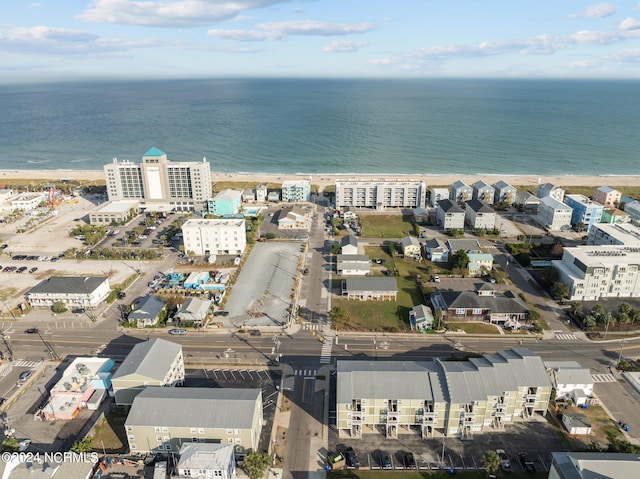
(327, 179)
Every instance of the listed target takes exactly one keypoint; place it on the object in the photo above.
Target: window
(200, 430)
(229, 431)
(133, 447)
(238, 440)
(460, 311)
(236, 432)
(229, 440)
(168, 447)
(165, 429)
(193, 430)
(159, 438)
(131, 438)
(157, 429)
(160, 447)
(477, 311)
(130, 428)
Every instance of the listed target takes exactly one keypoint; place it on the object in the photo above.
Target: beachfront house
(527, 202)
(459, 192)
(607, 196)
(614, 216)
(483, 191)
(504, 193)
(296, 191)
(549, 189)
(585, 213)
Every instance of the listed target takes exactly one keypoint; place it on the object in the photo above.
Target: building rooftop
(79, 374)
(349, 240)
(464, 244)
(409, 241)
(596, 465)
(449, 206)
(149, 358)
(604, 255)
(117, 206)
(372, 284)
(626, 233)
(214, 222)
(607, 189)
(68, 284)
(459, 184)
(472, 300)
(195, 407)
(205, 456)
(153, 151)
(149, 308)
(479, 206)
(227, 194)
(555, 204)
(501, 184)
(583, 200)
(360, 258)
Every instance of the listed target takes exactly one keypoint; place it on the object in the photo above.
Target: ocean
(286, 126)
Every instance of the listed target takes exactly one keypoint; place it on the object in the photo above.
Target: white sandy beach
(329, 179)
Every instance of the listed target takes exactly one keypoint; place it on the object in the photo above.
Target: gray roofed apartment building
(368, 288)
(73, 291)
(483, 191)
(353, 265)
(453, 398)
(459, 192)
(504, 192)
(150, 363)
(162, 419)
(449, 215)
(593, 465)
(479, 215)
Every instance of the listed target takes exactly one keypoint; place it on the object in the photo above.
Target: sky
(73, 39)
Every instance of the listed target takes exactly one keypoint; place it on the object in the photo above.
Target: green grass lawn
(472, 328)
(386, 226)
(386, 315)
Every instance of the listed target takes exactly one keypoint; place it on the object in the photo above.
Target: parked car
(3, 246)
(526, 462)
(505, 465)
(177, 332)
(24, 445)
(33, 270)
(409, 460)
(255, 332)
(385, 460)
(221, 313)
(21, 269)
(352, 458)
(435, 278)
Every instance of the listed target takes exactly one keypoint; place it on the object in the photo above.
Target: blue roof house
(585, 211)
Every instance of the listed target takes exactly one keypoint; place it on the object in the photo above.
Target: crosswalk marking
(309, 373)
(25, 363)
(566, 336)
(603, 378)
(325, 354)
(314, 327)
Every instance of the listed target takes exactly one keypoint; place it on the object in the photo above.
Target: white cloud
(600, 38)
(343, 46)
(600, 10)
(278, 30)
(629, 23)
(169, 13)
(61, 41)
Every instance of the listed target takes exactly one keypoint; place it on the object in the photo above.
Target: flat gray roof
(353, 258)
(439, 380)
(194, 407)
(68, 284)
(596, 465)
(371, 284)
(149, 358)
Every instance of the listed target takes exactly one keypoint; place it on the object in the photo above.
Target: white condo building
(158, 182)
(380, 194)
(614, 234)
(594, 272)
(215, 236)
(296, 191)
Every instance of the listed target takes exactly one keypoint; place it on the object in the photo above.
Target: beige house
(607, 196)
(162, 419)
(411, 247)
(114, 212)
(448, 398)
(370, 289)
(156, 363)
(294, 218)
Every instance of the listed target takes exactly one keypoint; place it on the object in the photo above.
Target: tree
(598, 309)
(256, 464)
(491, 461)
(335, 248)
(83, 445)
(576, 308)
(536, 327)
(391, 246)
(270, 235)
(460, 259)
(624, 308)
(59, 307)
(10, 444)
(559, 290)
(533, 315)
(338, 315)
(589, 322)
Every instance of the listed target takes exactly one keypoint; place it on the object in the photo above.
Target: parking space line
(240, 373)
(224, 375)
(206, 374)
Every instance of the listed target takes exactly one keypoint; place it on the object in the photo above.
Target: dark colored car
(24, 375)
(32, 331)
(21, 269)
(221, 313)
(385, 460)
(255, 332)
(352, 458)
(3, 246)
(527, 464)
(409, 460)
(33, 270)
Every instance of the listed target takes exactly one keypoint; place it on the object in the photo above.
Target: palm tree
(490, 461)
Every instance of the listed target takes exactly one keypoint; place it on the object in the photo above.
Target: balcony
(357, 419)
(393, 418)
(531, 397)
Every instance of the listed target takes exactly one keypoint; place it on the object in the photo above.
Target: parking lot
(536, 438)
(266, 380)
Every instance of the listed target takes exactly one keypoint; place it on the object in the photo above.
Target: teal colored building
(227, 202)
